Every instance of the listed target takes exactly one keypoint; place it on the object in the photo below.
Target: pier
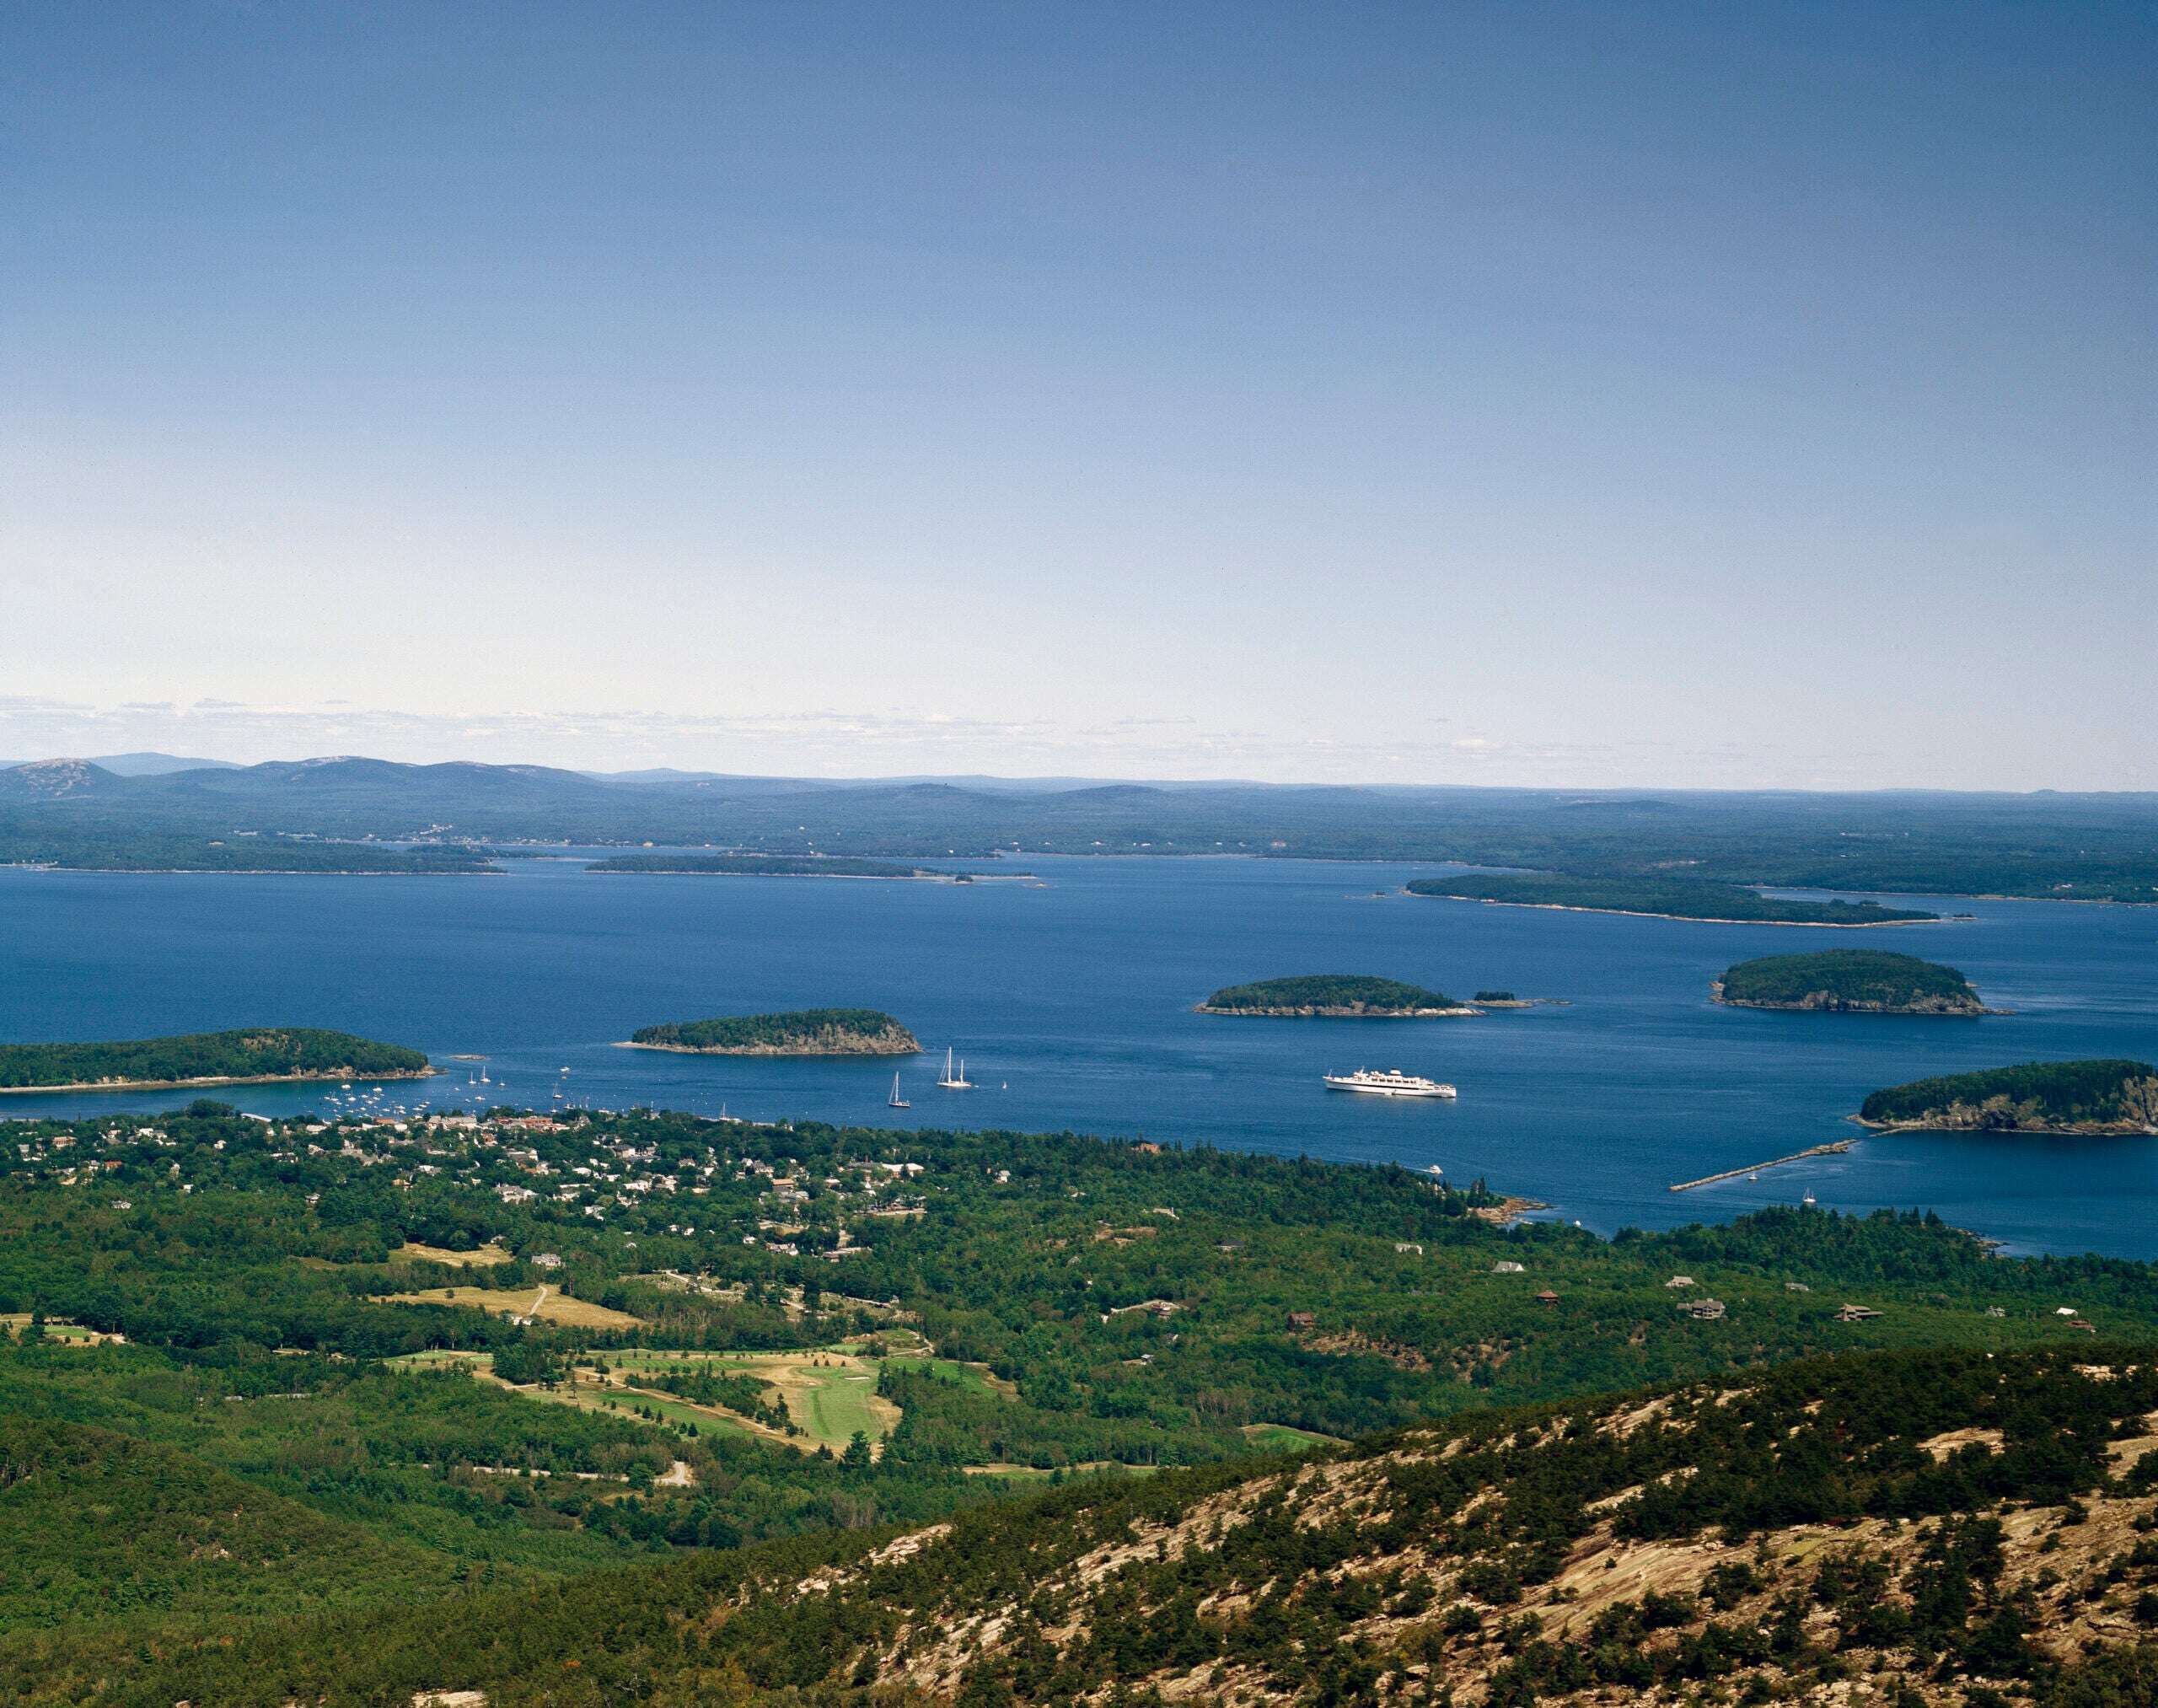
(1826, 1150)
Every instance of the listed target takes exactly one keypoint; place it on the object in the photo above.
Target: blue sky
(1634, 394)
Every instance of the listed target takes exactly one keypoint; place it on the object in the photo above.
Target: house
(547, 1259)
(2078, 1322)
(1797, 1287)
(1856, 1314)
(1507, 1266)
(1408, 1245)
(1300, 1320)
(1547, 1298)
(1680, 1280)
(1702, 1310)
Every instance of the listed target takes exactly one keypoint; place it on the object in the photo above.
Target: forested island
(249, 1055)
(770, 866)
(1334, 996)
(238, 854)
(1849, 981)
(2037, 1097)
(801, 1032)
(1661, 898)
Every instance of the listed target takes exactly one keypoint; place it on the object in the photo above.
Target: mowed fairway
(829, 1392)
(542, 1304)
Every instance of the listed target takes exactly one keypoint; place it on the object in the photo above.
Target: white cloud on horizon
(836, 743)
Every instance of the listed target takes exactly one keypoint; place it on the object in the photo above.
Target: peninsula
(1335, 996)
(1849, 981)
(2037, 1097)
(1699, 899)
(769, 866)
(801, 1032)
(253, 1056)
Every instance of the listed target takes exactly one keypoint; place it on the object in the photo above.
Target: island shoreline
(768, 1049)
(1682, 918)
(225, 1079)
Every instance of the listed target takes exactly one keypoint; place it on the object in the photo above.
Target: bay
(1071, 1000)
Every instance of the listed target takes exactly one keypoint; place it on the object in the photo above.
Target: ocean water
(1071, 1000)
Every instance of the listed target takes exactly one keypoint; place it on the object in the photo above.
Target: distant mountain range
(142, 765)
(143, 810)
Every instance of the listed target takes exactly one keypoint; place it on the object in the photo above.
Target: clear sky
(1626, 394)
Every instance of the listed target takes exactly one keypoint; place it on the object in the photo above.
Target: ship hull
(1390, 1090)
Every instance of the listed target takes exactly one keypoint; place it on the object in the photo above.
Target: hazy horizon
(1654, 397)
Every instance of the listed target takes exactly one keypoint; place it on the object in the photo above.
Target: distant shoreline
(218, 1079)
(1684, 918)
(1336, 1012)
(595, 871)
(766, 1050)
(257, 871)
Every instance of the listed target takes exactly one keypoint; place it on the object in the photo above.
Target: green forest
(1327, 993)
(193, 1300)
(798, 1032)
(263, 1052)
(1849, 980)
(1673, 898)
(2034, 1095)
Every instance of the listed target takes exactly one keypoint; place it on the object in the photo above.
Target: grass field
(830, 1392)
(12, 1323)
(545, 1304)
(487, 1257)
(1284, 1438)
(974, 1378)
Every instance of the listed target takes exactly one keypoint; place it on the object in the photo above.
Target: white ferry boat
(1392, 1083)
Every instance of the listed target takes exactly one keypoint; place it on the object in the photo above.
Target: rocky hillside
(1898, 1529)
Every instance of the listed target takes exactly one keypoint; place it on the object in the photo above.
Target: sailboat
(895, 1101)
(954, 1079)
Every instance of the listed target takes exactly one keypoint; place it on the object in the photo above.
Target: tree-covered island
(2037, 1097)
(801, 1032)
(249, 1056)
(1334, 996)
(1849, 981)
(1663, 897)
(766, 866)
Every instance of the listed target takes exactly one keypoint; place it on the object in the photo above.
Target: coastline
(2079, 1130)
(1338, 1014)
(1684, 918)
(823, 876)
(227, 1079)
(773, 1050)
(1838, 1006)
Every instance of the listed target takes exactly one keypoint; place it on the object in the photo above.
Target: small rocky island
(1849, 981)
(252, 1055)
(801, 1032)
(2106, 1097)
(1335, 996)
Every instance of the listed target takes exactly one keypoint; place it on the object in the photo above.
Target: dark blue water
(1072, 1004)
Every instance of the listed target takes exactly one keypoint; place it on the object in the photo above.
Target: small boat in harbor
(955, 1078)
(895, 1101)
(1391, 1084)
